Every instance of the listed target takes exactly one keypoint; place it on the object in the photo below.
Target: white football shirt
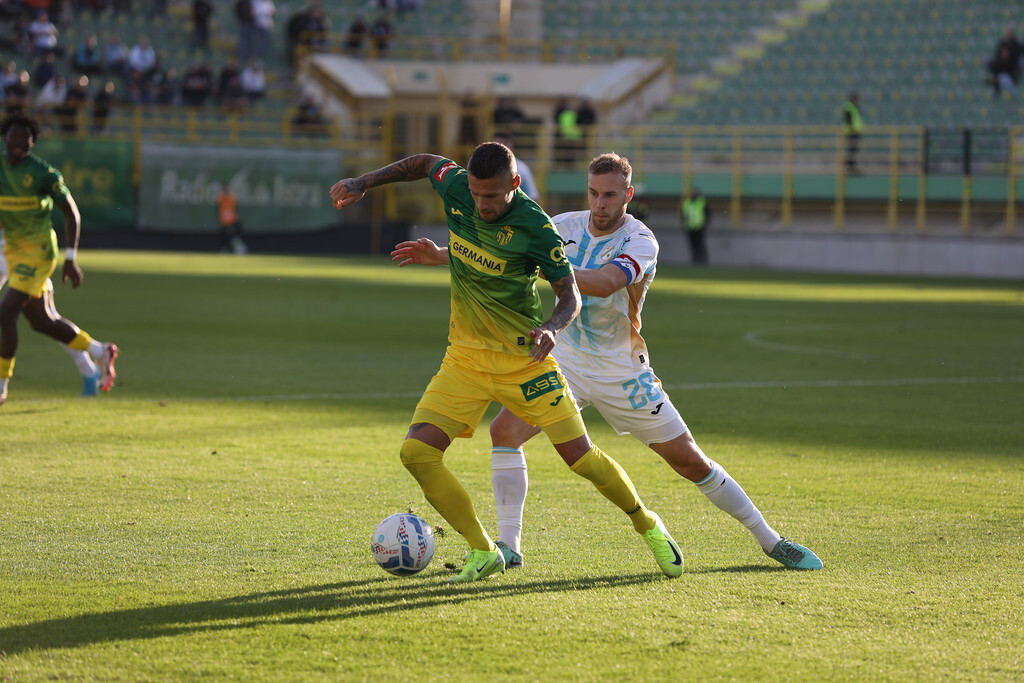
(604, 340)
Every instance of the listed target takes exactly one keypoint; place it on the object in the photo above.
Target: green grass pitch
(210, 518)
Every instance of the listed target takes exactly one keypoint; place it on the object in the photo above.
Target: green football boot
(666, 550)
(479, 565)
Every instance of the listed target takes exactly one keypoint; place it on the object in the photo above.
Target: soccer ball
(403, 544)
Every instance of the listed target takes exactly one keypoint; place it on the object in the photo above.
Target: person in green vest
(696, 217)
(569, 134)
(853, 127)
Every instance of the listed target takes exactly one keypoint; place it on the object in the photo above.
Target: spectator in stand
(246, 29)
(139, 90)
(357, 32)
(142, 58)
(115, 56)
(318, 28)
(229, 70)
(233, 99)
(1004, 72)
(507, 112)
(382, 32)
(586, 118)
(168, 89)
(101, 107)
(46, 70)
(254, 81)
(294, 32)
(44, 35)
(1015, 50)
(77, 98)
(50, 97)
(202, 10)
(309, 119)
(88, 59)
(263, 22)
(18, 97)
(18, 41)
(10, 75)
(197, 85)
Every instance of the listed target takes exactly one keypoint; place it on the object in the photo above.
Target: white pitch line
(754, 338)
(687, 386)
(842, 383)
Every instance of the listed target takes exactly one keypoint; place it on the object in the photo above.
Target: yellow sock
(81, 341)
(614, 484)
(6, 368)
(444, 492)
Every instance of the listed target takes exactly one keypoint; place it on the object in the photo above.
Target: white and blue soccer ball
(403, 544)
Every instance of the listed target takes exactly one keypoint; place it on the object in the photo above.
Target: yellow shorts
(29, 269)
(471, 379)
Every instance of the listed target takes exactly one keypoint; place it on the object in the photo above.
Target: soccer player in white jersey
(606, 363)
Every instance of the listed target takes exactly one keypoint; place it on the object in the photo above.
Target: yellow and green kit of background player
(28, 191)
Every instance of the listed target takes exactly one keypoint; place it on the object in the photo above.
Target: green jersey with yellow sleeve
(494, 266)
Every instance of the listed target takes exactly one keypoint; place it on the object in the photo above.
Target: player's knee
(416, 455)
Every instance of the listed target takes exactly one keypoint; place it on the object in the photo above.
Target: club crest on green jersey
(505, 235)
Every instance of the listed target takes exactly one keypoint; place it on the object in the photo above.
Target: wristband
(70, 254)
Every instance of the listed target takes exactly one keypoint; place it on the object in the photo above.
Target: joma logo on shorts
(538, 386)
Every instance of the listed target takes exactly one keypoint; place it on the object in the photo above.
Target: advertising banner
(278, 190)
(99, 175)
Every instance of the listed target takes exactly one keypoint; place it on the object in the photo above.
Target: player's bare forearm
(70, 271)
(350, 190)
(567, 303)
(567, 307)
(601, 282)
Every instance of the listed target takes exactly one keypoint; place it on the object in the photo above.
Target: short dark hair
(490, 160)
(611, 163)
(20, 118)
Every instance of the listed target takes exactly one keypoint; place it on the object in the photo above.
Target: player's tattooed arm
(567, 307)
(350, 190)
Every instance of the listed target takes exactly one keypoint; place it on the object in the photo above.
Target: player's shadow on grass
(305, 605)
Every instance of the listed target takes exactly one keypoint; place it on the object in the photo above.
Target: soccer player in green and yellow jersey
(29, 189)
(499, 344)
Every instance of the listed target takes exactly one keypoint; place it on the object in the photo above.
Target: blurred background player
(86, 367)
(29, 189)
(606, 363)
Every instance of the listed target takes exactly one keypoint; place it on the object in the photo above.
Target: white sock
(509, 481)
(726, 494)
(86, 368)
(96, 350)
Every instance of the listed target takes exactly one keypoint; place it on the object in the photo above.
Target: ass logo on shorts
(538, 386)
(25, 270)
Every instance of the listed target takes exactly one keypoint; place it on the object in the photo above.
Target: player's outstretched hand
(72, 272)
(347, 191)
(421, 252)
(543, 343)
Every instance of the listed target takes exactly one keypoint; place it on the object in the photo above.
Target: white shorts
(636, 405)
